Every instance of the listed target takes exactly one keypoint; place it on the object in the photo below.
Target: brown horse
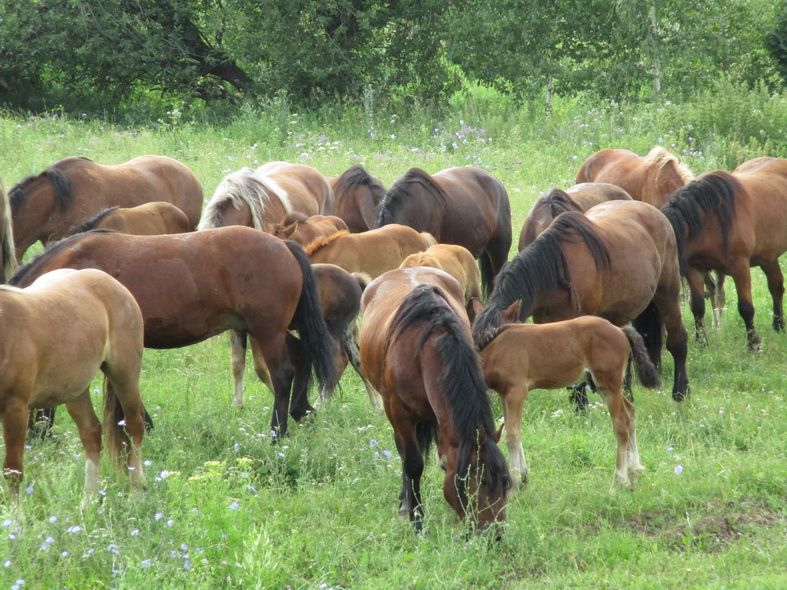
(457, 262)
(730, 222)
(304, 230)
(47, 206)
(149, 219)
(264, 197)
(651, 179)
(579, 197)
(372, 252)
(522, 357)
(357, 195)
(416, 350)
(7, 251)
(619, 261)
(193, 286)
(56, 335)
(464, 206)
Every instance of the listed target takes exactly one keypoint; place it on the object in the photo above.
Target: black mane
(401, 188)
(56, 174)
(559, 201)
(357, 175)
(92, 222)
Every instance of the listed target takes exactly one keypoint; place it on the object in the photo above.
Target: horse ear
(476, 306)
(288, 230)
(510, 314)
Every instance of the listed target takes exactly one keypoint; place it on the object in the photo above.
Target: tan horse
(264, 197)
(457, 262)
(522, 357)
(47, 206)
(55, 336)
(7, 251)
(416, 350)
(148, 219)
(305, 230)
(372, 252)
(357, 195)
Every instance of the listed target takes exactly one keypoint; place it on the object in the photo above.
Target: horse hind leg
(238, 345)
(271, 361)
(741, 274)
(89, 428)
(622, 425)
(14, 417)
(776, 286)
(719, 300)
(350, 346)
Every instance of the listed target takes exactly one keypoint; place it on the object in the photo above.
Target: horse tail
(650, 326)
(7, 253)
(310, 323)
(487, 273)
(646, 371)
(117, 441)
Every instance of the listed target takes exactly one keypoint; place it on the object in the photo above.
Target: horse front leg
(741, 274)
(513, 403)
(776, 287)
(697, 297)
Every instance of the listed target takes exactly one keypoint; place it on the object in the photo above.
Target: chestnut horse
(149, 219)
(55, 335)
(193, 286)
(416, 350)
(619, 261)
(457, 262)
(264, 197)
(47, 206)
(730, 222)
(357, 195)
(304, 230)
(579, 197)
(522, 357)
(7, 251)
(372, 252)
(464, 206)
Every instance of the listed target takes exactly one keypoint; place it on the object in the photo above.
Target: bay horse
(464, 206)
(7, 250)
(149, 219)
(457, 262)
(619, 261)
(196, 285)
(372, 252)
(357, 195)
(730, 222)
(579, 197)
(417, 351)
(47, 206)
(55, 335)
(522, 357)
(264, 197)
(304, 230)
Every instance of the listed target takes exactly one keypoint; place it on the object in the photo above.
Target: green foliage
(776, 41)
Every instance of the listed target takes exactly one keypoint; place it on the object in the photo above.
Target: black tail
(487, 274)
(646, 372)
(650, 326)
(310, 323)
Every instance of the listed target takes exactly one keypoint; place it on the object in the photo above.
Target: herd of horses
(287, 259)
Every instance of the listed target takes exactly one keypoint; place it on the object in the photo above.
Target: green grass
(225, 508)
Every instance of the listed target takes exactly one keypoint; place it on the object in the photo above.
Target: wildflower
(7, 563)
(134, 532)
(387, 454)
(145, 563)
(147, 462)
(96, 391)
(29, 490)
(7, 523)
(678, 469)
(159, 516)
(373, 442)
(74, 529)
(184, 547)
(88, 552)
(170, 523)
(122, 422)
(187, 564)
(113, 549)
(670, 449)
(234, 506)
(19, 583)
(64, 554)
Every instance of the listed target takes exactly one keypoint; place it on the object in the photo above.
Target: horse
(372, 252)
(417, 351)
(579, 197)
(457, 262)
(7, 250)
(193, 286)
(464, 206)
(357, 195)
(521, 357)
(730, 222)
(304, 230)
(55, 335)
(264, 197)
(619, 261)
(149, 219)
(70, 191)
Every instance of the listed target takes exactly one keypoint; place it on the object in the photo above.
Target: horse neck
(33, 218)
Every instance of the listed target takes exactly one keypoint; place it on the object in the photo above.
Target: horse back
(765, 202)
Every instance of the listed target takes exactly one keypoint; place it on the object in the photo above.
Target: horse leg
(695, 279)
(634, 465)
(412, 469)
(719, 300)
(82, 412)
(299, 406)
(350, 346)
(271, 361)
(667, 301)
(513, 401)
(741, 274)
(238, 344)
(15, 417)
(622, 423)
(776, 287)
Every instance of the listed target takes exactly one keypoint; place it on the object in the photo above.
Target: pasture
(226, 508)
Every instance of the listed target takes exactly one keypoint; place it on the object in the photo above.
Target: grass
(225, 508)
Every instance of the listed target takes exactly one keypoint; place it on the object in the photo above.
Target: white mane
(660, 157)
(242, 186)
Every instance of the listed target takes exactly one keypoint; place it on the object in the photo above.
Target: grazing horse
(730, 222)
(619, 261)
(416, 350)
(464, 206)
(7, 251)
(304, 230)
(55, 335)
(372, 252)
(457, 262)
(264, 197)
(193, 286)
(522, 357)
(47, 206)
(357, 195)
(579, 197)
(651, 179)
(148, 219)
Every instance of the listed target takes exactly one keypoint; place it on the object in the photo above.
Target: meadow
(226, 508)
